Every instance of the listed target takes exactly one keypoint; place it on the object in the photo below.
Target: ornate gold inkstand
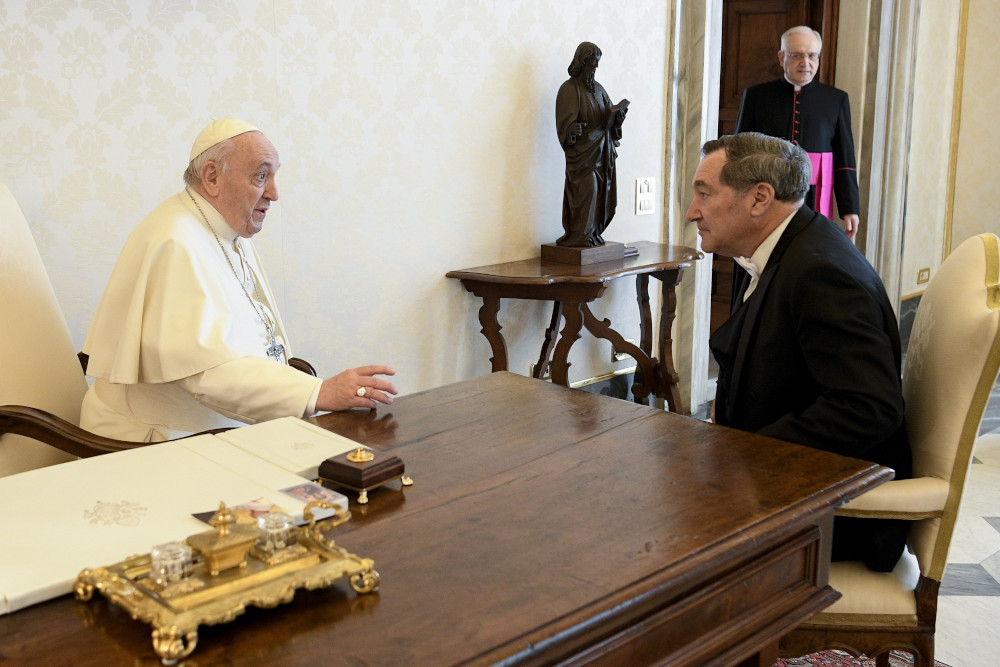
(211, 577)
(361, 471)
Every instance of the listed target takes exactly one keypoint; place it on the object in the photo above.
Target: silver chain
(274, 350)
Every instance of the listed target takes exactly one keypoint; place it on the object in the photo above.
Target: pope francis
(187, 336)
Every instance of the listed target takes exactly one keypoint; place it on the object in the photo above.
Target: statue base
(583, 256)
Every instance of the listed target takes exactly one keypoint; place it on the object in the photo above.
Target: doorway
(751, 36)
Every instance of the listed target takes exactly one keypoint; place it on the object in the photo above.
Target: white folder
(290, 443)
(59, 520)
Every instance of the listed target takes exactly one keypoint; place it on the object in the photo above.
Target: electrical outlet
(645, 196)
(546, 378)
(621, 356)
(923, 275)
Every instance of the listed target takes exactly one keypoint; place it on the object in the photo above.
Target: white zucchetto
(218, 131)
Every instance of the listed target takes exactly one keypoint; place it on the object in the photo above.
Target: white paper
(290, 443)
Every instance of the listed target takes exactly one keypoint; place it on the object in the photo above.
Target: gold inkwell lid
(226, 546)
(361, 455)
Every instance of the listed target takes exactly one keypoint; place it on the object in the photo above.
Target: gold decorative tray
(245, 574)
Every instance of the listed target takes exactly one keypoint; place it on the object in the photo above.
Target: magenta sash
(822, 178)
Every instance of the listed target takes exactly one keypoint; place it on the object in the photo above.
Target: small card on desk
(249, 512)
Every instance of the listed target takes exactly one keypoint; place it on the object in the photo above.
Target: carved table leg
(766, 657)
(644, 372)
(542, 365)
(570, 334)
(491, 329)
(645, 315)
(645, 380)
(667, 377)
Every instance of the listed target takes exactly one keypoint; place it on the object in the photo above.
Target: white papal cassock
(176, 346)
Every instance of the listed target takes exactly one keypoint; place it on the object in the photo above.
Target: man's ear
(781, 59)
(210, 178)
(763, 197)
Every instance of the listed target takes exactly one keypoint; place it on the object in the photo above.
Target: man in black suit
(810, 353)
(813, 115)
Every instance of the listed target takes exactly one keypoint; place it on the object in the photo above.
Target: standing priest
(187, 336)
(815, 116)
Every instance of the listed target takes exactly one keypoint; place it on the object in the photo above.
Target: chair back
(951, 365)
(38, 364)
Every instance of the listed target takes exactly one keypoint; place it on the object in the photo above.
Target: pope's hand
(341, 392)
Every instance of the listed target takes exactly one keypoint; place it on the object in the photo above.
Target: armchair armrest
(45, 427)
(52, 430)
(302, 365)
(294, 362)
(913, 499)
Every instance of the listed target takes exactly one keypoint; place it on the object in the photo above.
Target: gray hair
(801, 30)
(219, 154)
(752, 157)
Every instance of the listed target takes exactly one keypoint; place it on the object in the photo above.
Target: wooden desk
(544, 524)
(571, 288)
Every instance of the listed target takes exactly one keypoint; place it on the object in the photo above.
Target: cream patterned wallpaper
(415, 138)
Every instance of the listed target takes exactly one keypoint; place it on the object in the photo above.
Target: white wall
(852, 62)
(932, 210)
(927, 195)
(415, 138)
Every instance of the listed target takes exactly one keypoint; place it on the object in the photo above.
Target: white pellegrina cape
(175, 344)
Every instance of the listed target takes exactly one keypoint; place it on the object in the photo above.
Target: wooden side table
(571, 288)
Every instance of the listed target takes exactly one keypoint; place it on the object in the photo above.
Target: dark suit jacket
(813, 356)
(817, 358)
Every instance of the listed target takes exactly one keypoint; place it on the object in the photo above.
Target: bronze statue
(589, 128)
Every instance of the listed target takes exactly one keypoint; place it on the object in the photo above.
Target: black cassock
(818, 118)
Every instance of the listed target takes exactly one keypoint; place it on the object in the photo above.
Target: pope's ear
(210, 174)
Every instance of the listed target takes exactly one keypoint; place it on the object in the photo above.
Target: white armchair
(951, 366)
(38, 365)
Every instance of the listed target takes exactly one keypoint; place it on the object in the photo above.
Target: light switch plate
(645, 196)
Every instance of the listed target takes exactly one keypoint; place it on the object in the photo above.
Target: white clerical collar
(755, 264)
(216, 222)
(794, 85)
(749, 267)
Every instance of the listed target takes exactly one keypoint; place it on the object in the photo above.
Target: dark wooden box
(361, 475)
